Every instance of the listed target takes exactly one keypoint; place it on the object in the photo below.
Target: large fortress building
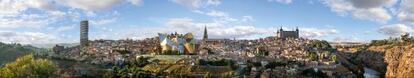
(287, 34)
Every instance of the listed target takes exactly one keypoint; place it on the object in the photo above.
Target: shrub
(275, 64)
(27, 66)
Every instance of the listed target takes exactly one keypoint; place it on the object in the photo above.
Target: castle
(287, 34)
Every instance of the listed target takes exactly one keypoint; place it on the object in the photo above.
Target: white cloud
(395, 29)
(372, 14)
(90, 5)
(238, 32)
(215, 13)
(406, 12)
(247, 18)
(219, 30)
(281, 1)
(10, 7)
(220, 16)
(316, 33)
(213, 2)
(102, 21)
(363, 9)
(57, 13)
(372, 3)
(136, 2)
(196, 4)
(52, 17)
(24, 21)
(216, 30)
(26, 37)
(193, 4)
(64, 28)
(180, 22)
(347, 39)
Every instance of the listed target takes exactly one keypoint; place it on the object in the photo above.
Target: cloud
(406, 11)
(180, 22)
(102, 21)
(213, 2)
(219, 30)
(90, 5)
(26, 37)
(247, 18)
(395, 29)
(220, 16)
(372, 10)
(193, 4)
(10, 7)
(372, 14)
(64, 28)
(281, 1)
(316, 33)
(216, 30)
(24, 21)
(372, 3)
(346, 39)
(136, 2)
(196, 4)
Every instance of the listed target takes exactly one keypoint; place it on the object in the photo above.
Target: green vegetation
(314, 73)
(9, 52)
(132, 69)
(171, 52)
(274, 64)
(405, 38)
(312, 56)
(321, 45)
(262, 52)
(207, 75)
(28, 67)
(333, 57)
(222, 62)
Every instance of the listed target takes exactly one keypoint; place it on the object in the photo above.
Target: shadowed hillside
(9, 52)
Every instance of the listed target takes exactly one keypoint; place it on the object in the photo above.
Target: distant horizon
(57, 21)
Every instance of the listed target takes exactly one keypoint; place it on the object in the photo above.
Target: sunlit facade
(185, 44)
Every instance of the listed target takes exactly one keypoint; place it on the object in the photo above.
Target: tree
(333, 57)
(27, 66)
(207, 75)
(406, 37)
(313, 56)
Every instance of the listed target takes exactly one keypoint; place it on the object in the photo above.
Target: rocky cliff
(393, 60)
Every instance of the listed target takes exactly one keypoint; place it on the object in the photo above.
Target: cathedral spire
(297, 29)
(205, 37)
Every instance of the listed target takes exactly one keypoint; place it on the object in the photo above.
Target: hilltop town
(283, 55)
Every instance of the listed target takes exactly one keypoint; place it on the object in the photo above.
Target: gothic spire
(205, 37)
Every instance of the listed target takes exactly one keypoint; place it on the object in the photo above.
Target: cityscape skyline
(57, 21)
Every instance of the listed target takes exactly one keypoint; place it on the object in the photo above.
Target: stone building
(57, 49)
(287, 34)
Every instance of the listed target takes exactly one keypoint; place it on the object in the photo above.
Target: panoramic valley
(206, 39)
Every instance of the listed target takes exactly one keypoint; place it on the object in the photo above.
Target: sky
(57, 21)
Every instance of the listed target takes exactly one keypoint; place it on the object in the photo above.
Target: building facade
(184, 44)
(84, 28)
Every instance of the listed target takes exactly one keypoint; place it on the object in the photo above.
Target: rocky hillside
(399, 59)
(391, 60)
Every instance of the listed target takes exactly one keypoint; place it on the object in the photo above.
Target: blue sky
(57, 21)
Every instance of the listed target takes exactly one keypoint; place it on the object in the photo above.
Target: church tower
(205, 36)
